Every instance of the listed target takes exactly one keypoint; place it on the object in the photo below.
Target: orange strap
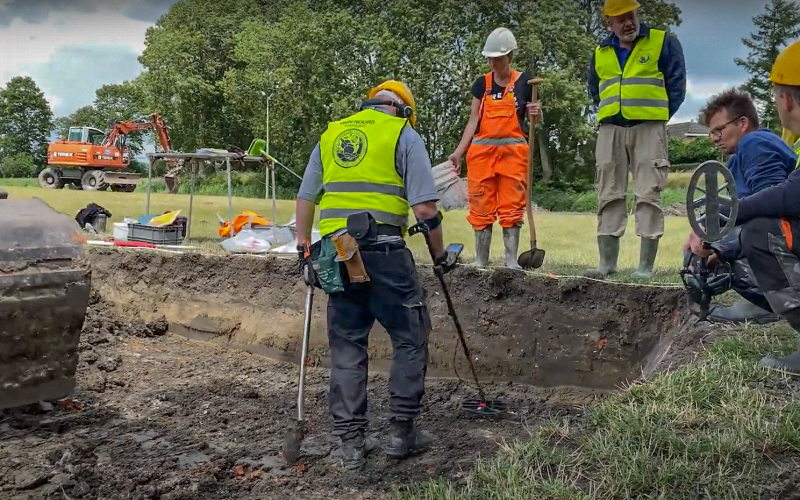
(487, 90)
(786, 226)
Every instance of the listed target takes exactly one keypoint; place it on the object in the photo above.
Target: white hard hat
(499, 43)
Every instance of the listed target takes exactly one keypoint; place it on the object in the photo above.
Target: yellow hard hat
(618, 7)
(786, 70)
(403, 91)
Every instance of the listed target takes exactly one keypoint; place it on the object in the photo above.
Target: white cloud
(71, 53)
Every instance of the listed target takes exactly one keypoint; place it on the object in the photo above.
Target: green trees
(211, 66)
(25, 122)
(777, 26)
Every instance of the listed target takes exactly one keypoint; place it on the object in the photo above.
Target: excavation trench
(522, 329)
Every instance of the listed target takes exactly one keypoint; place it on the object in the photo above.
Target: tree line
(211, 67)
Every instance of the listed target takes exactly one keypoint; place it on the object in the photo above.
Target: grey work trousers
(396, 299)
(640, 150)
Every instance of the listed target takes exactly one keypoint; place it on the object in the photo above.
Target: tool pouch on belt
(329, 271)
(361, 230)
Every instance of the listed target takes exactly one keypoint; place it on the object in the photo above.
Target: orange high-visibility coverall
(497, 162)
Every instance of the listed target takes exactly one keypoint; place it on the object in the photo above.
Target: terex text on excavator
(91, 159)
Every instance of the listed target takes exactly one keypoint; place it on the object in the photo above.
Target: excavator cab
(86, 135)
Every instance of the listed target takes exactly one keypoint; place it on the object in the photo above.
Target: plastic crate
(167, 235)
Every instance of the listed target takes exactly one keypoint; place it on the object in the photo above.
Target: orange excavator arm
(155, 122)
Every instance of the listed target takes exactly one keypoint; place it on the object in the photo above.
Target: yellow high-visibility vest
(358, 171)
(639, 91)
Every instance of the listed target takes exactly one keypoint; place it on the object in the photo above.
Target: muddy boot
(406, 439)
(355, 448)
(742, 311)
(647, 257)
(511, 244)
(609, 253)
(483, 242)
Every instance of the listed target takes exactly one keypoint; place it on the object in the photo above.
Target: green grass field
(569, 239)
(718, 428)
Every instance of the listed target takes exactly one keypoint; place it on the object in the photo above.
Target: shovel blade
(292, 442)
(531, 259)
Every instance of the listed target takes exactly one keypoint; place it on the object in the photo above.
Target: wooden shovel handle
(531, 155)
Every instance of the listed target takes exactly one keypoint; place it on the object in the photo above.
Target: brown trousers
(640, 150)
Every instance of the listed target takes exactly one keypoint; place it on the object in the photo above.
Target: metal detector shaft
(452, 312)
(303, 353)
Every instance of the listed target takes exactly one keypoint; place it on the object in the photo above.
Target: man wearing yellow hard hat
(770, 218)
(637, 80)
(366, 172)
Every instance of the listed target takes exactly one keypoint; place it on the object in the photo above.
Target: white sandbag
(451, 188)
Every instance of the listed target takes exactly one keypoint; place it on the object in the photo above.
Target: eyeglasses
(716, 133)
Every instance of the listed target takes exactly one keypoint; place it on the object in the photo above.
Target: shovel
(294, 438)
(533, 258)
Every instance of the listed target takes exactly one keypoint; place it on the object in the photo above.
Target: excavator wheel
(50, 178)
(44, 293)
(92, 180)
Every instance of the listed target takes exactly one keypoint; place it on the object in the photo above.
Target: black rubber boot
(742, 311)
(609, 253)
(647, 258)
(405, 439)
(789, 364)
(355, 448)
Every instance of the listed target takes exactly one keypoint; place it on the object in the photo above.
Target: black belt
(389, 230)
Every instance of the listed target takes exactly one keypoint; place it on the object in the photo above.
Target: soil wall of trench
(521, 328)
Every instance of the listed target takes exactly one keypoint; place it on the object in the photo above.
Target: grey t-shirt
(411, 161)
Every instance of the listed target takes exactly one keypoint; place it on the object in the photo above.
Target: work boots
(789, 364)
(511, 244)
(742, 311)
(608, 247)
(647, 257)
(355, 448)
(483, 242)
(405, 439)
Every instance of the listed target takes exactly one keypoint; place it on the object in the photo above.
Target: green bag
(328, 270)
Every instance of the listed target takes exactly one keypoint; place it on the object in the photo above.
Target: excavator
(93, 160)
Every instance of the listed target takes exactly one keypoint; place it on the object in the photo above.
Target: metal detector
(712, 217)
(483, 406)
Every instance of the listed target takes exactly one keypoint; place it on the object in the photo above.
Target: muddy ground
(156, 415)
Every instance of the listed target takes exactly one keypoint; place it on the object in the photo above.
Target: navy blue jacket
(774, 202)
(670, 62)
(762, 159)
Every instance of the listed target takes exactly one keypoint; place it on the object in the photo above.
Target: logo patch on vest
(644, 59)
(349, 148)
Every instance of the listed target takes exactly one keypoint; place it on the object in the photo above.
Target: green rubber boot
(609, 253)
(647, 257)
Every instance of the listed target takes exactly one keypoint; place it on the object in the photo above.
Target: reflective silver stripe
(609, 100)
(505, 141)
(646, 103)
(364, 187)
(797, 145)
(380, 215)
(637, 80)
(607, 83)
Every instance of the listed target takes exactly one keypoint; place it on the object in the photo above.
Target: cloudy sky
(72, 47)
